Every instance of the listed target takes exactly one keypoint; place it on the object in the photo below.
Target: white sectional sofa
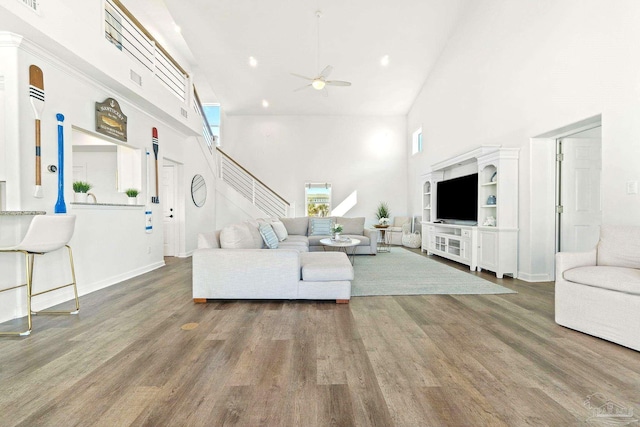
(298, 228)
(235, 263)
(598, 292)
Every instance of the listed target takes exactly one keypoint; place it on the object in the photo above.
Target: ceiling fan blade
(338, 83)
(303, 87)
(327, 70)
(302, 77)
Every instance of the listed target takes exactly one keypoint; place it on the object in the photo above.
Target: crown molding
(9, 39)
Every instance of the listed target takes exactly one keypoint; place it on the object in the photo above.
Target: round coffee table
(342, 246)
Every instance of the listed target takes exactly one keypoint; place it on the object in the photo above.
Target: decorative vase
(336, 236)
(132, 200)
(80, 197)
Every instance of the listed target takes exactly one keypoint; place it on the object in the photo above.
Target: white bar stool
(46, 233)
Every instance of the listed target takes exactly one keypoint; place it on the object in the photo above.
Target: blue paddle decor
(60, 205)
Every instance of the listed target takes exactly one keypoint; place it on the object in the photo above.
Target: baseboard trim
(53, 299)
(534, 277)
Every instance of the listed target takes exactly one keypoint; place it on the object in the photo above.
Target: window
(318, 199)
(416, 146)
(212, 113)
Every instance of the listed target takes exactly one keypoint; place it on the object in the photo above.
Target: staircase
(251, 188)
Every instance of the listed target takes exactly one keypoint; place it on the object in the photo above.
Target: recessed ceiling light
(253, 61)
(384, 61)
(178, 29)
(265, 103)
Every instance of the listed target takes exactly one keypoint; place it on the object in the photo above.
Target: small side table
(383, 240)
(342, 245)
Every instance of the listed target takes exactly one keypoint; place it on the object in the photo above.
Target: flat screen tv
(457, 199)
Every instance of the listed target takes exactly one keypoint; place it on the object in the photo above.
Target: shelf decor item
(80, 189)
(494, 177)
(491, 200)
(337, 229)
(132, 195)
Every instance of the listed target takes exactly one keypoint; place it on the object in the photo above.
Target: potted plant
(132, 195)
(382, 213)
(80, 189)
(337, 229)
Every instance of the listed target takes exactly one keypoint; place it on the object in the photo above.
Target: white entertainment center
(489, 242)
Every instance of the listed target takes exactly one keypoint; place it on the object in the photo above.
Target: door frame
(543, 217)
(179, 207)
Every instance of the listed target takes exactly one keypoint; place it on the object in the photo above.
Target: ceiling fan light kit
(318, 84)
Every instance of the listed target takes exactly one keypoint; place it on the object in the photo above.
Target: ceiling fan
(320, 81)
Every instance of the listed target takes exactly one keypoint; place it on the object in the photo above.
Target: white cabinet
(429, 189)
(492, 244)
(498, 251)
(454, 242)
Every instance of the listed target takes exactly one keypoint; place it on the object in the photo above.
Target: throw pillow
(253, 226)
(321, 226)
(236, 236)
(297, 226)
(208, 240)
(280, 229)
(269, 236)
(353, 226)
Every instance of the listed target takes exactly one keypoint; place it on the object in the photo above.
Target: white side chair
(46, 233)
(394, 233)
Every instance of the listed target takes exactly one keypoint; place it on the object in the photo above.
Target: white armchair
(598, 292)
(394, 232)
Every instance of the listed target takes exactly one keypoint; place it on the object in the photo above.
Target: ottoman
(325, 275)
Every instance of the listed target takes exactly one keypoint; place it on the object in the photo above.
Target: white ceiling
(218, 37)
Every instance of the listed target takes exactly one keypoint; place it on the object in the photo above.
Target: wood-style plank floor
(431, 360)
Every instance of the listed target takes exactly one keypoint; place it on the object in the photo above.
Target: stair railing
(251, 188)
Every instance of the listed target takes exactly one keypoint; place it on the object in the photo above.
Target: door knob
(170, 216)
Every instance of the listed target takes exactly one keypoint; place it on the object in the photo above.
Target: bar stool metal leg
(75, 290)
(28, 262)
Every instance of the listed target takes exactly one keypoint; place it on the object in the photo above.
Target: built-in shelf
(481, 246)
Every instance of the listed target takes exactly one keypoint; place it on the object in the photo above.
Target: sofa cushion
(298, 243)
(254, 228)
(352, 225)
(619, 279)
(269, 236)
(237, 236)
(300, 240)
(280, 230)
(619, 246)
(320, 226)
(325, 266)
(209, 240)
(297, 226)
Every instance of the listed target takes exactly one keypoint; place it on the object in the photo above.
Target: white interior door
(168, 200)
(579, 191)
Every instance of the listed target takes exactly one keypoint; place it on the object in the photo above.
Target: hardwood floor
(431, 360)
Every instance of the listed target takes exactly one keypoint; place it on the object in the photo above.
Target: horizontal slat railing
(251, 188)
(123, 30)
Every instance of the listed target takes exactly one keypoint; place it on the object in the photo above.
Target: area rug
(402, 272)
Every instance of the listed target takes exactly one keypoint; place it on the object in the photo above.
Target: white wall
(110, 243)
(515, 70)
(364, 154)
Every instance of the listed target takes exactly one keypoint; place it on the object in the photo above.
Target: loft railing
(251, 188)
(209, 137)
(127, 34)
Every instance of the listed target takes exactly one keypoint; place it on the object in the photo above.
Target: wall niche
(110, 167)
